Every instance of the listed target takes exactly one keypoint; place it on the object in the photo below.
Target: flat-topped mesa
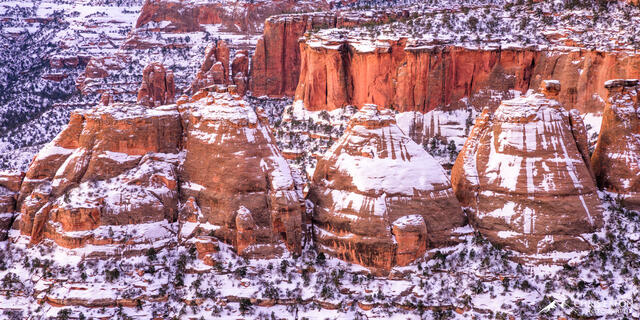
(157, 86)
(380, 199)
(10, 182)
(524, 175)
(107, 181)
(616, 159)
(239, 184)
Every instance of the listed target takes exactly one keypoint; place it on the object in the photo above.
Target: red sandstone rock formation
(616, 159)
(188, 16)
(10, 182)
(380, 199)
(113, 167)
(335, 73)
(275, 65)
(157, 87)
(240, 71)
(215, 68)
(524, 175)
(276, 62)
(242, 189)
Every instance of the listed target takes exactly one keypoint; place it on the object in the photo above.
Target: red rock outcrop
(380, 199)
(525, 177)
(276, 62)
(338, 72)
(215, 67)
(112, 170)
(242, 188)
(275, 66)
(188, 16)
(616, 159)
(157, 87)
(240, 71)
(10, 182)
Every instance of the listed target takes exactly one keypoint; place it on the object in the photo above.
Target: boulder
(525, 178)
(380, 199)
(616, 159)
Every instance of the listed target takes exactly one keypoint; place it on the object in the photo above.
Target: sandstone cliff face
(338, 72)
(276, 63)
(111, 168)
(10, 182)
(121, 175)
(240, 185)
(380, 199)
(188, 16)
(616, 159)
(524, 175)
(275, 67)
(157, 87)
(215, 67)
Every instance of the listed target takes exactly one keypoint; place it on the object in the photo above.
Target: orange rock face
(616, 159)
(113, 167)
(241, 185)
(525, 177)
(215, 68)
(380, 199)
(157, 87)
(275, 69)
(337, 73)
(10, 182)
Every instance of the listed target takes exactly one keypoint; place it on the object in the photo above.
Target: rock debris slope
(616, 159)
(380, 199)
(525, 177)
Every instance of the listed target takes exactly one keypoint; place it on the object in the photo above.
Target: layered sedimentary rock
(524, 175)
(380, 199)
(157, 87)
(240, 187)
(276, 62)
(616, 159)
(336, 72)
(10, 182)
(108, 178)
(189, 16)
(215, 67)
(123, 174)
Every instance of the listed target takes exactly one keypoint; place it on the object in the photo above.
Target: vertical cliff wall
(337, 73)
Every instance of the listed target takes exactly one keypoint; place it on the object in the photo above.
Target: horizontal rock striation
(616, 159)
(336, 72)
(380, 199)
(524, 174)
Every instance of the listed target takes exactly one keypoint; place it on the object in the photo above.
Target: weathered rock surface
(121, 173)
(525, 177)
(157, 87)
(215, 67)
(616, 159)
(337, 72)
(112, 170)
(10, 182)
(242, 189)
(380, 199)
(276, 62)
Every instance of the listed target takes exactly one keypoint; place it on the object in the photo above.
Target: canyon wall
(275, 65)
(336, 73)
